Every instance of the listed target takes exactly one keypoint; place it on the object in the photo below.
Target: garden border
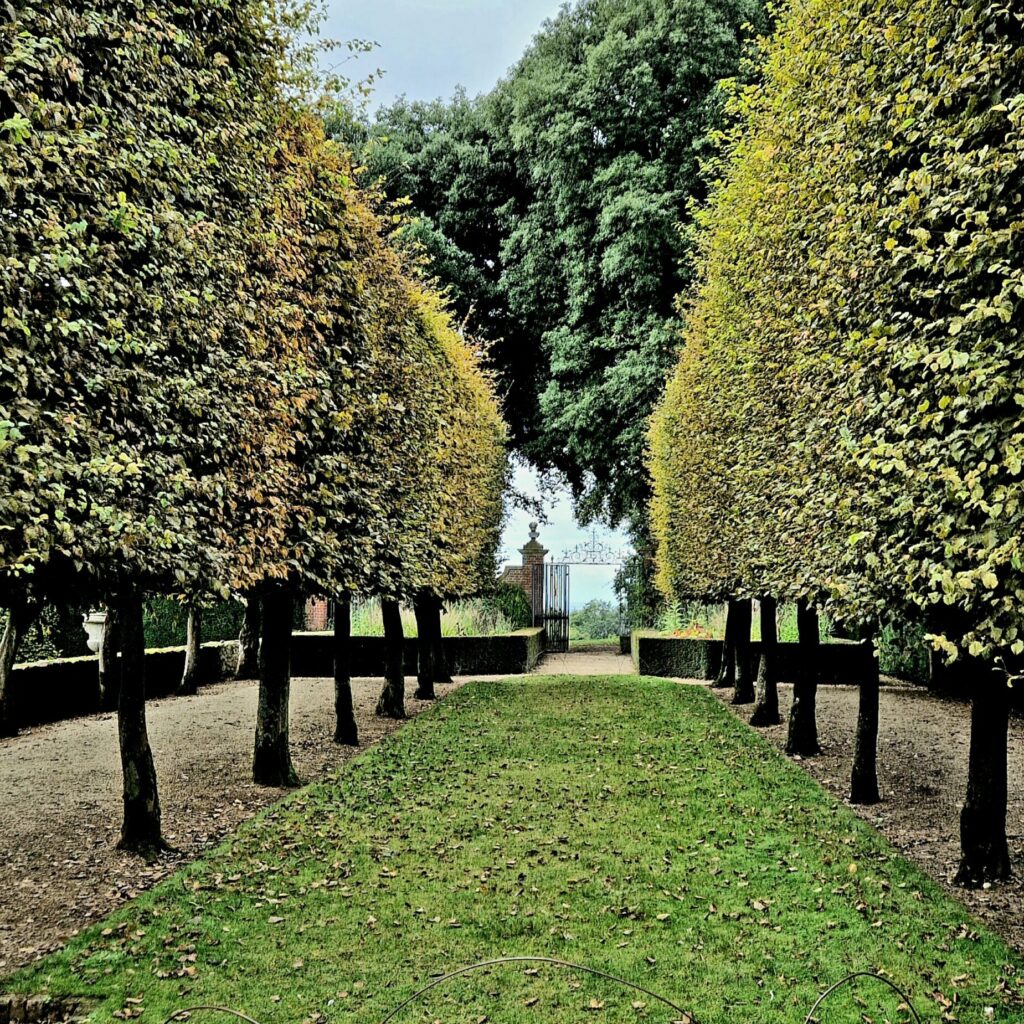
(51, 691)
(668, 657)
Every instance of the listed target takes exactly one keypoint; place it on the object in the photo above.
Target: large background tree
(553, 209)
(606, 117)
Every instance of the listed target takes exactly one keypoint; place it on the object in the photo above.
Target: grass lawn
(631, 825)
(590, 645)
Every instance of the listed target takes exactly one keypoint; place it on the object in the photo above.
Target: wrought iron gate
(550, 601)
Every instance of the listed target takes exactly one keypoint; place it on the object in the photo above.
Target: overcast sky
(426, 49)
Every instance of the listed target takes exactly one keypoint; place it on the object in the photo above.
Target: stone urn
(95, 623)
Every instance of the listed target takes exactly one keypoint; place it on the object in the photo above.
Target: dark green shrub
(56, 633)
(513, 603)
(165, 622)
(902, 652)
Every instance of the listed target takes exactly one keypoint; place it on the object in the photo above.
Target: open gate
(550, 602)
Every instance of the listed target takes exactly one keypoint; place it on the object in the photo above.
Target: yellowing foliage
(472, 463)
(846, 422)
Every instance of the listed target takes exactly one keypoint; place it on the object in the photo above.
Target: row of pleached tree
(218, 376)
(845, 427)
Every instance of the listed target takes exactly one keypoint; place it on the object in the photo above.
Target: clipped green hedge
(840, 662)
(165, 622)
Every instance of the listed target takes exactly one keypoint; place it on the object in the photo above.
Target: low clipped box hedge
(506, 654)
(51, 691)
(654, 654)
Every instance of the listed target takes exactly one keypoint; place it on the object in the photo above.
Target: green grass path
(628, 824)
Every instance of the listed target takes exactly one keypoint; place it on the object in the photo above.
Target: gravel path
(586, 663)
(922, 774)
(60, 800)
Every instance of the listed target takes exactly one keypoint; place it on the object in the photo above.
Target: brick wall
(317, 618)
(533, 554)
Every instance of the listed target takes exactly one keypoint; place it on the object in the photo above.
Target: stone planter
(95, 624)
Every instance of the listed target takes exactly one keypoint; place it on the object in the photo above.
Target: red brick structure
(522, 576)
(317, 615)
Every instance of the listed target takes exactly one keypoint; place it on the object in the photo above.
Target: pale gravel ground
(586, 663)
(60, 799)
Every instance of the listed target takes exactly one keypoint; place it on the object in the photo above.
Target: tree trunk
(864, 780)
(803, 726)
(19, 618)
(392, 698)
(110, 664)
(766, 708)
(193, 651)
(743, 689)
(442, 670)
(346, 732)
(984, 852)
(140, 831)
(726, 671)
(272, 759)
(249, 641)
(424, 607)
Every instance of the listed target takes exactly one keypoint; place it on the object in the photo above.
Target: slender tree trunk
(984, 851)
(110, 663)
(803, 724)
(743, 689)
(424, 607)
(193, 651)
(249, 640)
(766, 708)
(140, 831)
(442, 670)
(727, 670)
(346, 732)
(19, 618)
(864, 780)
(272, 759)
(392, 698)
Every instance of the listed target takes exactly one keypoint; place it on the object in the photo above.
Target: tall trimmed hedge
(219, 377)
(847, 413)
